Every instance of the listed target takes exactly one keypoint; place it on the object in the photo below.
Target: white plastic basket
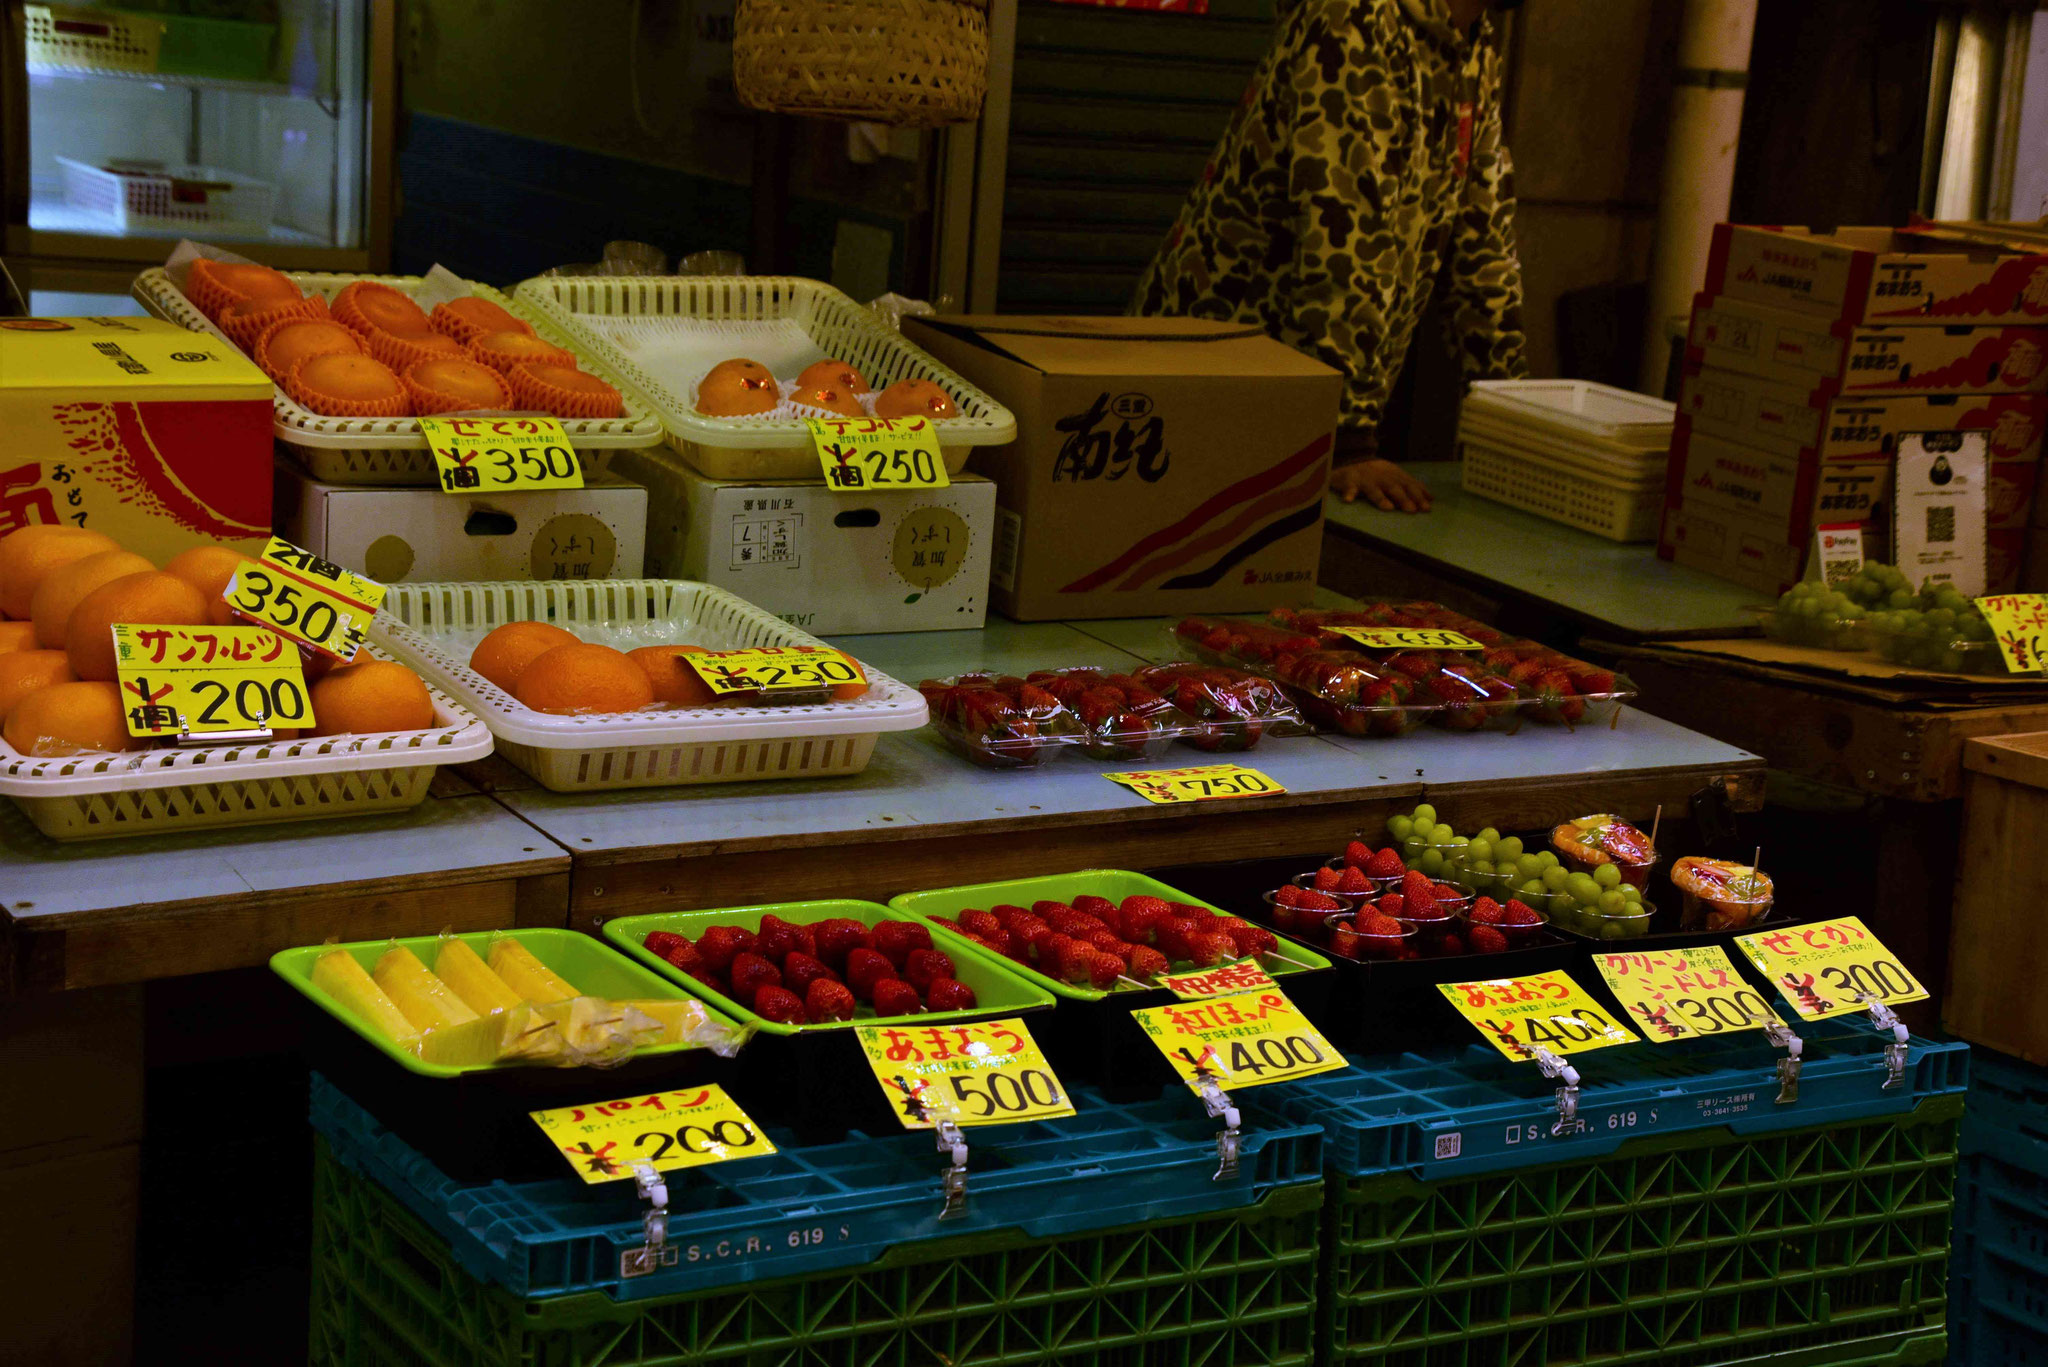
(1584, 495)
(435, 628)
(93, 797)
(170, 199)
(1580, 409)
(708, 319)
(391, 451)
(1578, 454)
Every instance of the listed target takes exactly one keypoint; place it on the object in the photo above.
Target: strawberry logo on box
(2013, 432)
(2023, 362)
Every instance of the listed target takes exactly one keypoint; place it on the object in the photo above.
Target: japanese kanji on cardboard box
(136, 428)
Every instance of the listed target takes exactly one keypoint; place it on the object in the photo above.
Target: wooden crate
(1998, 955)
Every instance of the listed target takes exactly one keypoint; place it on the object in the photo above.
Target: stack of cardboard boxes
(1810, 355)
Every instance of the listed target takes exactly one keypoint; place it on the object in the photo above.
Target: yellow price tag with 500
(979, 1073)
(1549, 1011)
(681, 1129)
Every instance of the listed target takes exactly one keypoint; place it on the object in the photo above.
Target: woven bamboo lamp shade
(904, 63)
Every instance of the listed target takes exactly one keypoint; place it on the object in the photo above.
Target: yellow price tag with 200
(1247, 1039)
(203, 680)
(1549, 1011)
(687, 1128)
(979, 1073)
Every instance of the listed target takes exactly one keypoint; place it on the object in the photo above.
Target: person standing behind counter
(1363, 171)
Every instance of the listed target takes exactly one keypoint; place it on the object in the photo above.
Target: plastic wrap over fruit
(999, 721)
(1337, 688)
(1121, 716)
(1231, 710)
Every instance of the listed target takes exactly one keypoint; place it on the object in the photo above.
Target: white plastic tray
(391, 450)
(435, 628)
(1589, 498)
(1579, 408)
(793, 321)
(144, 792)
(1570, 453)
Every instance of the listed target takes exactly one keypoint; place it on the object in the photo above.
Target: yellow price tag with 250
(1247, 1039)
(866, 455)
(981, 1073)
(687, 1128)
(1406, 638)
(1677, 994)
(306, 599)
(202, 680)
(1549, 1011)
(1830, 968)
(501, 455)
(1200, 783)
(775, 669)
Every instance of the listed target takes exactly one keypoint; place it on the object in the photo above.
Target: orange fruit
(29, 554)
(510, 648)
(375, 695)
(830, 398)
(208, 569)
(584, 678)
(17, 636)
(153, 597)
(505, 349)
(65, 587)
(737, 389)
(673, 681)
(69, 719)
(915, 399)
(453, 386)
(833, 373)
(22, 672)
(468, 318)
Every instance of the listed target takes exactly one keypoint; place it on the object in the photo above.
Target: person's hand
(1381, 483)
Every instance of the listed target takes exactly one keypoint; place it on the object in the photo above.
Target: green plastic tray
(594, 967)
(1112, 884)
(999, 988)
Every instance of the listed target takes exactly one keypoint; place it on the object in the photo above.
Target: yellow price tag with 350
(686, 1128)
(306, 599)
(868, 455)
(203, 680)
(1247, 1039)
(1830, 968)
(980, 1073)
(1549, 1011)
(2019, 623)
(1406, 638)
(501, 455)
(1676, 994)
(1199, 783)
(775, 669)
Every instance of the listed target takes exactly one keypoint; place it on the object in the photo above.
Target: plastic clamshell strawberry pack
(1335, 688)
(1232, 710)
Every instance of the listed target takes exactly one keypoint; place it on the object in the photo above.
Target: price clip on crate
(1540, 1019)
(1697, 993)
(1833, 968)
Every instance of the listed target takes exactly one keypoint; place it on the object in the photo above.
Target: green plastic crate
(1230, 1289)
(1797, 1248)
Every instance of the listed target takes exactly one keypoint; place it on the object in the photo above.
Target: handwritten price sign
(774, 669)
(1676, 994)
(1245, 1040)
(1546, 1010)
(501, 455)
(306, 599)
(1407, 638)
(878, 454)
(1201, 783)
(984, 1073)
(201, 680)
(1830, 968)
(681, 1129)
(2019, 621)
(1244, 976)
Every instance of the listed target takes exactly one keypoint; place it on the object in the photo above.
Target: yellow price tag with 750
(686, 1128)
(980, 1073)
(1247, 1039)
(202, 680)
(501, 455)
(864, 455)
(1198, 783)
(2019, 623)
(774, 669)
(1677, 994)
(306, 599)
(1549, 1011)
(1830, 968)
(1406, 638)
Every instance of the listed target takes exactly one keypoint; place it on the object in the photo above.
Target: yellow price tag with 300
(687, 1128)
(1199, 783)
(869, 455)
(501, 455)
(306, 599)
(1247, 1039)
(1518, 1016)
(980, 1073)
(1677, 994)
(1830, 968)
(201, 680)
(775, 669)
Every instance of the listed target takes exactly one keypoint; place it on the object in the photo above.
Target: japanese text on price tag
(306, 599)
(1677, 994)
(200, 680)
(1243, 976)
(875, 454)
(774, 669)
(501, 455)
(1518, 1016)
(1830, 967)
(2019, 622)
(1202, 783)
(1407, 638)
(680, 1129)
(1245, 1040)
(983, 1073)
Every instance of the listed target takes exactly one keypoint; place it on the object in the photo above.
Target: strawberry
(1450, 945)
(864, 968)
(828, 1001)
(684, 955)
(800, 970)
(1146, 963)
(1251, 940)
(1171, 934)
(837, 937)
(1100, 908)
(660, 943)
(924, 965)
(1046, 908)
(1074, 923)
(1328, 879)
(1025, 928)
(1358, 854)
(1138, 914)
(1386, 864)
(1518, 913)
(1485, 912)
(720, 944)
(1000, 940)
(894, 997)
(1206, 950)
(1422, 904)
(1106, 940)
(1393, 904)
(711, 980)
(1121, 950)
(1354, 882)
(1190, 910)
(980, 923)
(1486, 940)
(780, 938)
(1049, 946)
(779, 1004)
(895, 939)
(1104, 970)
(1378, 924)
(751, 973)
(1592, 682)
(950, 994)
(1006, 912)
(1075, 962)
(1413, 882)
(1290, 895)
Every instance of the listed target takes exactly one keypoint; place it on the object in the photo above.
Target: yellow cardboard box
(134, 427)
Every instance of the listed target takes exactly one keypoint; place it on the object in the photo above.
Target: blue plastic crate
(2008, 1110)
(1998, 1289)
(822, 1207)
(1472, 1111)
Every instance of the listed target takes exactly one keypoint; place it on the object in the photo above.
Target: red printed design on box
(2019, 285)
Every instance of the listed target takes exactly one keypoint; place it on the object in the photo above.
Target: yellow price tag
(982, 1073)
(201, 680)
(306, 599)
(2019, 622)
(1247, 1039)
(501, 455)
(1202, 783)
(1242, 976)
(1407, 638)
(1677, 994)
(775, 669)
(1518, 1016)
(1830, 968)
(687, 1128)
(866, 455)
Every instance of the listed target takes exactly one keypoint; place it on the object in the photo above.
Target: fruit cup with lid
(1720, 895)
(1585, 843)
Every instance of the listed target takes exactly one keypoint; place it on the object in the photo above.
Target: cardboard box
(1795, 419)
(1876, 275)
(134, 427)
(832, 563)
(424, 535)
(1793, 493)
(1801, 348)
(1731, 546)
(1162, 465)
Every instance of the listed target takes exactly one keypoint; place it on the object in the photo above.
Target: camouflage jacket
(1364, 165)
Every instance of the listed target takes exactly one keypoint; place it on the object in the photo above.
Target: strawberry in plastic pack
(999, 721)
(1231, 710)
(1121, 716)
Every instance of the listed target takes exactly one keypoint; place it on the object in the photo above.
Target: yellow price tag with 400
(1549, 1011)
(979, 1073)
(686, 1128)
(1247, 1039)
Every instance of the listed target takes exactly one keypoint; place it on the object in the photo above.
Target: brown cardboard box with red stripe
(1800, 348)
(1877, 275)
(1162, 465)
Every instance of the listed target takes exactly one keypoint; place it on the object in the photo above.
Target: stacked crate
(1810, 353)
(1998, 1287)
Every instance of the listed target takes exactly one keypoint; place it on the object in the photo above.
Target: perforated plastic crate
(1232, 1287)
(1998, 1295)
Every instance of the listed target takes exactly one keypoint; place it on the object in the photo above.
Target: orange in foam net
(284, 343)
(248, 319)
(402, 353)
(369, 306)
(501, 351)
(213, 285)
(345, 386)
(564, 391)
(455, 386)
(470, 317)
